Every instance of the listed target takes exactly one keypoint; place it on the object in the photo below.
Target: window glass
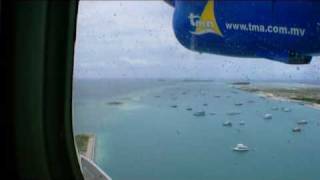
(145, 107)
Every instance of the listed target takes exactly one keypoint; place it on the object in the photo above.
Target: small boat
(302, 122)
(296, 129)
(238, 104)
(189, 109)
(242, 123)
(227, 123)
(233, 113)
(205, 104)
(241, 148)
(199, 114)
(286, 109)
(262, 97)
(174, 106)
(267, 116)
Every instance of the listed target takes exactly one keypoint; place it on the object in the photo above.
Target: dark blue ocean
(146, 138)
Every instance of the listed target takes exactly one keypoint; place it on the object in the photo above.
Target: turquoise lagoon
(145, 138)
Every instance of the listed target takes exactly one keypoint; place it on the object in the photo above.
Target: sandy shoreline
(281, 98)
(91, 147)
(90, 169)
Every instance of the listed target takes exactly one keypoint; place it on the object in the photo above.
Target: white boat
(296, 129)
(267, 116)
(302, 122)
(286, 109)
(199, 114)
(241, 148)
(227, 123)
(242, 123)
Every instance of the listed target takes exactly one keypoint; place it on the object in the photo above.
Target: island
(241, 83)
(304, 95)
(198, 80)
(115, 103)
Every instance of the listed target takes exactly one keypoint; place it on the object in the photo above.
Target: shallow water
(147, 139)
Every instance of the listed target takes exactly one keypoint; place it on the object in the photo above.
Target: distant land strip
(86, 145)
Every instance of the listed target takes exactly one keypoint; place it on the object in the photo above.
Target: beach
(302, 95)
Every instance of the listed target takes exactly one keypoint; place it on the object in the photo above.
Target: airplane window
(188, 91)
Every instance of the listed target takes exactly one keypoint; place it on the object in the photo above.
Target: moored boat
(199, 114)
(302, 122)
(227, 123)
(241, 148)
(296, 129)
(267, 116)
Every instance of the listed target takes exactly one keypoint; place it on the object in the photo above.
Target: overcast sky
(136, 39)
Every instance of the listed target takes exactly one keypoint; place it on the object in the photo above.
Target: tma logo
(206, 23)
